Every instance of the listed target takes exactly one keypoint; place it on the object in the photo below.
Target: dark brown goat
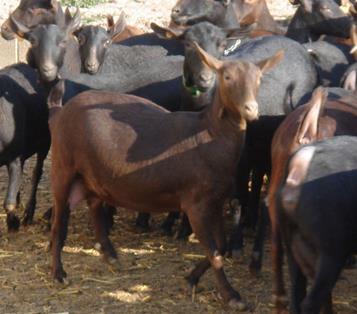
(31, 13)
(226, 14)
(256, 12)
(101, 151)
(318, 119)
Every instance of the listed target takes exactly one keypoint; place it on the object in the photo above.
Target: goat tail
(54, 100)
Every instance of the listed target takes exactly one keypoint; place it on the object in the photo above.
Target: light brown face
(238, 86)
(238, 81)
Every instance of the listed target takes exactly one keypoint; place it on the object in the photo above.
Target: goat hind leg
(255, 265)
(61, 186)
(327, 273)
(99, 220)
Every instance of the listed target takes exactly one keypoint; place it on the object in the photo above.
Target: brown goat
(129, 152)
(322, 117)
(127, 32)
(256, 12)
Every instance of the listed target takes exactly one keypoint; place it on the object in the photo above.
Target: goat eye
(81, 39)
(227, 77)
(188, 45)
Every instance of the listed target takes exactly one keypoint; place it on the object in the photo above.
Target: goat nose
(47, 67)
(205, 77)
(251, 109)
(176, 11)
(90, 64)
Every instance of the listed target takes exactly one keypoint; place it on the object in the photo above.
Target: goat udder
(76, 194)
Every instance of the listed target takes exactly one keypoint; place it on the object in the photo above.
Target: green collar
(193, 90)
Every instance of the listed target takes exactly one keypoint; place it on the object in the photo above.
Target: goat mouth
(188, 19)
(49, 76)
(194, 90)
(92, 71)
(179, 20)
(252, 116)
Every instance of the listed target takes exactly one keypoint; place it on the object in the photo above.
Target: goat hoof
(237, 305)
(182, 234)
(47, 215)
(255, 265)
(281, 302)
(113, 263)
(60, 275)
(166, 231)
(27, 220)
(13, 222)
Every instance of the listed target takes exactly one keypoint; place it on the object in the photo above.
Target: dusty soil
(152, 266)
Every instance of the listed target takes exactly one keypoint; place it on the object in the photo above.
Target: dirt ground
(150, 278)
(152, 266)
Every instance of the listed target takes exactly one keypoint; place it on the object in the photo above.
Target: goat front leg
(14, 169)
(36, 177)
(207, 226)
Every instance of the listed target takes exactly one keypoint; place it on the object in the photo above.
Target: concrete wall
(8, 51)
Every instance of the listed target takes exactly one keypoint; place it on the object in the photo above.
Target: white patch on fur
(298, 168)
(299, 165)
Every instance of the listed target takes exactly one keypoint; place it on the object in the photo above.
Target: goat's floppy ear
(269, 63)
(56, 94)
(209, 60)
(354, 40)
(238, 32)
(21, 30)
(53, 3)
(309, 127)
(73, 23)
(307, 4)
(350, 81)
(168, 33)
(115, 29)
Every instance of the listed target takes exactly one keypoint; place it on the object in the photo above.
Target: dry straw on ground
(150, 276)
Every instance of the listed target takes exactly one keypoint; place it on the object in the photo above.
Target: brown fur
(129, 31)
(102, 151)
(256, 12)
(338, 118)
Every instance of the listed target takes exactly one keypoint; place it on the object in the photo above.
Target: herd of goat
(187, 118)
